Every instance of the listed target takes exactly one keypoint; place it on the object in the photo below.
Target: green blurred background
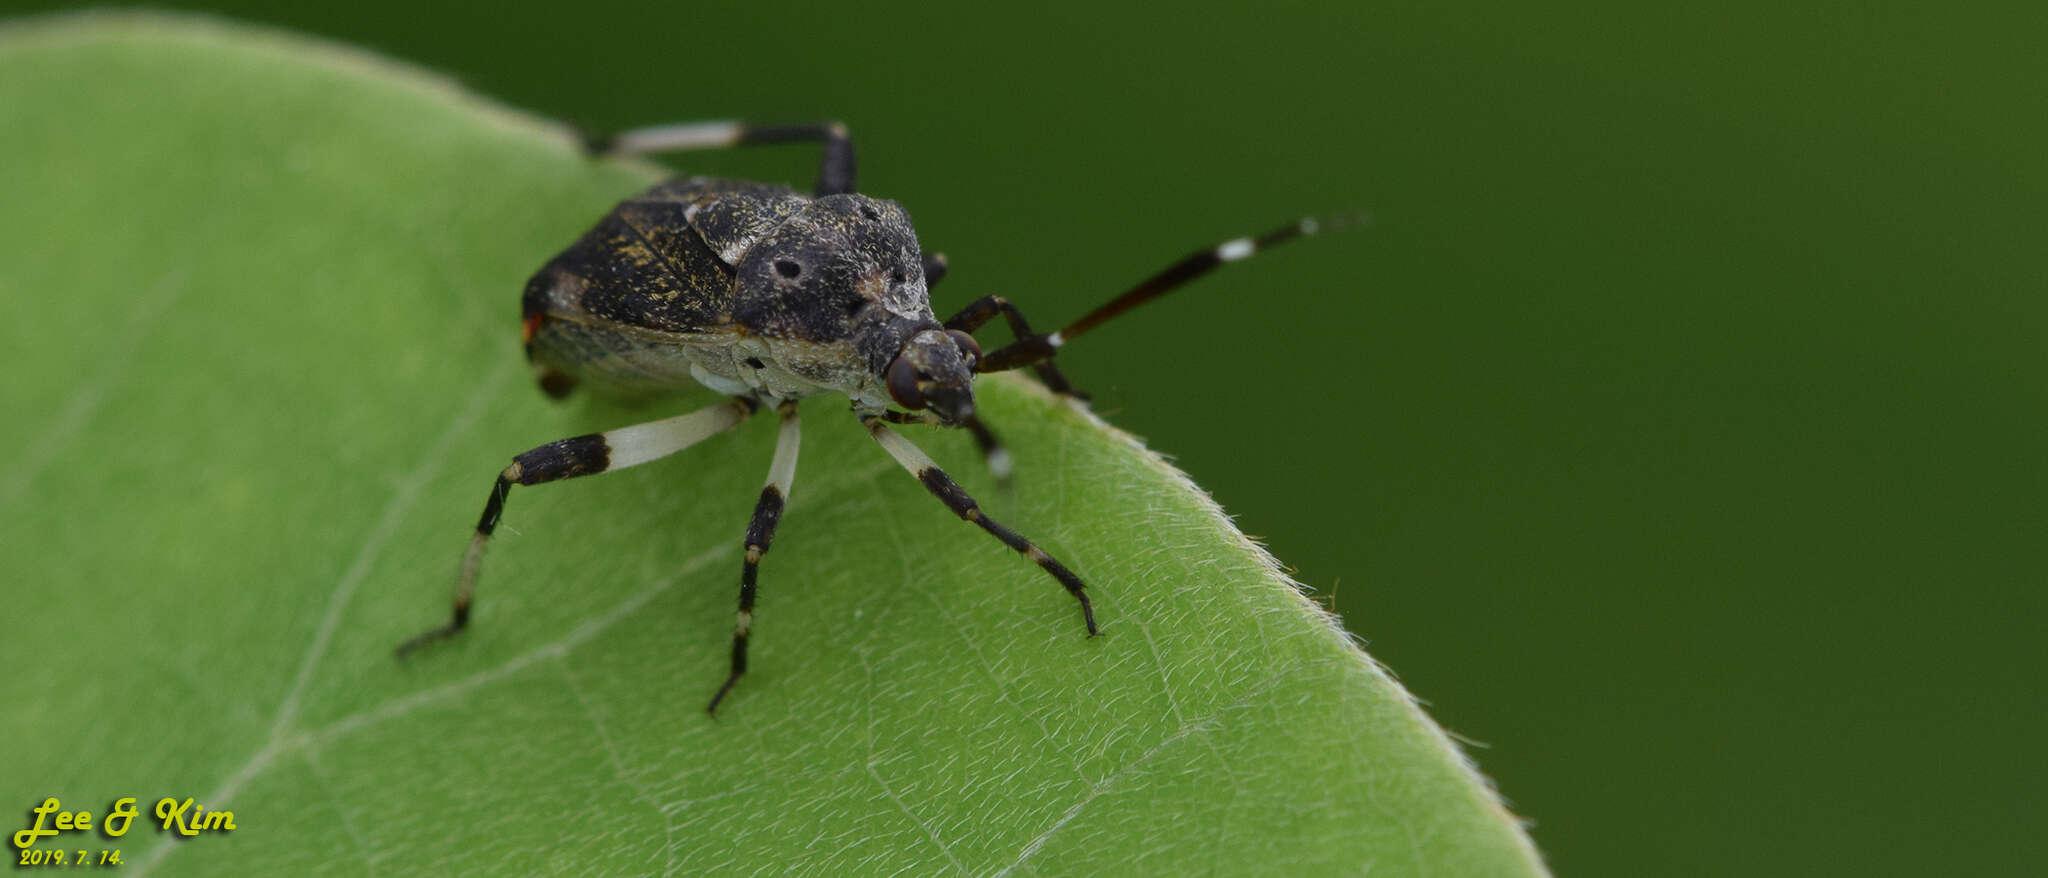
(1676, 431)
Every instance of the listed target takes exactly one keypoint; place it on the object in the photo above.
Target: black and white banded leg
(943, 487)
(973, 317)
(579, 456)
(835, 168)
(761, 533)
(1039, 348)
(992, 451)
(982, 310)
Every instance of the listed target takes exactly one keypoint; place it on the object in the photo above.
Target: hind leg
(835, 167)
(569, 458)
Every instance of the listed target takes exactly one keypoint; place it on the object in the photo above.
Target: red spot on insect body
(532, 325)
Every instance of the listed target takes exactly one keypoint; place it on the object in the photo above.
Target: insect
(769, 297)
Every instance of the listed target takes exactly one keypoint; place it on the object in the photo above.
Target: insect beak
(953, 404)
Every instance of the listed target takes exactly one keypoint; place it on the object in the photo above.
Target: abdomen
(564, 350)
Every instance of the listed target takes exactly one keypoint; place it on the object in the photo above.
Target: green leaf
(262, 366)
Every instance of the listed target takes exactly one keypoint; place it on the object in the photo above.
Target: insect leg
(760, 533)
(992, 449)
(984, 309)
(973, 317)
(579, 456)
(835, 168)
(949, 492)
(934, 268)
(1038, 348)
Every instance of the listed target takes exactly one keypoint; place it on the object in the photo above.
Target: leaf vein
(79, 410)
(1202, 724)
(869, 668)
(402, 499)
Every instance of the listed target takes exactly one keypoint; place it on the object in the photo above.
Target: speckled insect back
(769, 296)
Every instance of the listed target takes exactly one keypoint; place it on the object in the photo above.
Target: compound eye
(903, 385)
(970, 350)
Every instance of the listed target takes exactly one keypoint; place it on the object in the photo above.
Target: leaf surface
(262, 366)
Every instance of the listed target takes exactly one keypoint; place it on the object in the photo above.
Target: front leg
(992, 451)
(984, 309)
(949, 492)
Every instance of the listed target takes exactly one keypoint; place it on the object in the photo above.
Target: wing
(650, 278)
(730, 215)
